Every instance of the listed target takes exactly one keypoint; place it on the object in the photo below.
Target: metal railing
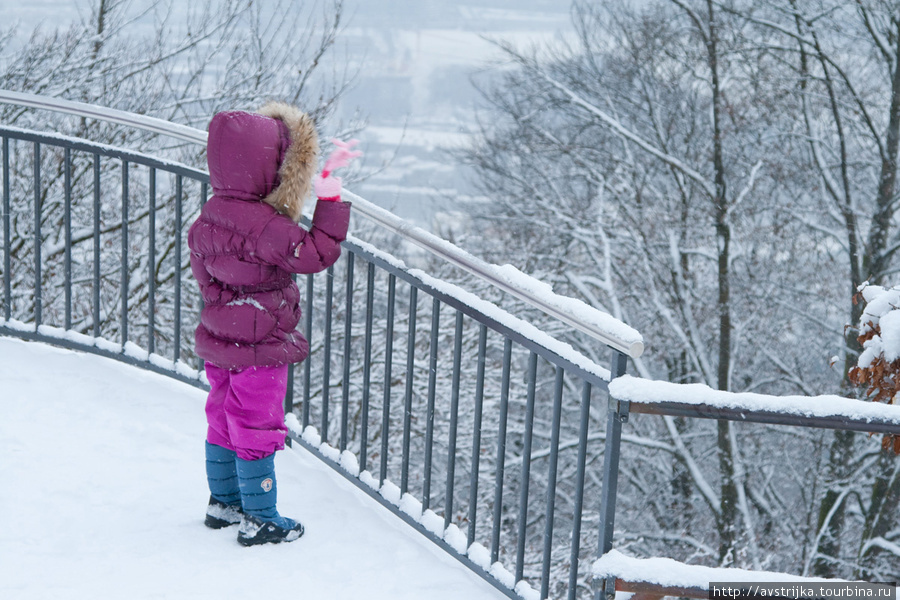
(465, 421)
(93, 249)
(629, 396)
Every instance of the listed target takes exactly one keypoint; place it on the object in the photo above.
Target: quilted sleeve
(287, 245)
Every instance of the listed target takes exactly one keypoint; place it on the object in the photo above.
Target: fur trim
(300, 161)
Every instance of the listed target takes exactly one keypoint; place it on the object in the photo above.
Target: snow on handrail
(840, 412)
(670, 573)
(595, 323)
(587, 319)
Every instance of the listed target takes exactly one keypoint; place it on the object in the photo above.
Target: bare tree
(846, 64)
(653, 134)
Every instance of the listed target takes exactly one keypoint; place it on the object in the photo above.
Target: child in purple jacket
(244, 247)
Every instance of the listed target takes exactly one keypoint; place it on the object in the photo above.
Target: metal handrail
(625, 339)
(102, 113)
(667, 399)
(630, 342)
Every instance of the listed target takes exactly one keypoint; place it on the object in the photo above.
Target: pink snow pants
(245, 409)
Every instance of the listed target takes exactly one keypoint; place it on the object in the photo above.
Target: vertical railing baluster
(551, 481)
(367, 368)
(67, 226)
(501, 451)
(288, 403)
(291, 376)
(124, 291)
(307, 367)
(289, 394)
(579, 488)
(37, 236)
(388, 359)
(526, 467)
(348, 341)
(326, 367)
(408, 394)
(476, 435)
(151, 266)
(96, 290)
(616, 414)
(178, 217)
(7, 244)
(432, 390)
(454, 420)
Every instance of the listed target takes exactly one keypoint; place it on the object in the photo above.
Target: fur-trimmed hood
(271, 156)
(300, 161)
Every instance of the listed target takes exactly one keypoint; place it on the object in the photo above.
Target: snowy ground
(103, 492)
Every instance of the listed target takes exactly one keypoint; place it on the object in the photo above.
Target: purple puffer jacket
(244, 246)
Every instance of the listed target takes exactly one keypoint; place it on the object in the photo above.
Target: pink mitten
(326, 186)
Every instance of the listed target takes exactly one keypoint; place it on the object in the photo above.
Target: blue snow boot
(225, 495)
(261, 523)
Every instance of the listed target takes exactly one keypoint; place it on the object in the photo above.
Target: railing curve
(467, 422)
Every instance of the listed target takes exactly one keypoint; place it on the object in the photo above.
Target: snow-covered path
(103, 491)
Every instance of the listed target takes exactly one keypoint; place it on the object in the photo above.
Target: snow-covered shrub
(878, 366)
